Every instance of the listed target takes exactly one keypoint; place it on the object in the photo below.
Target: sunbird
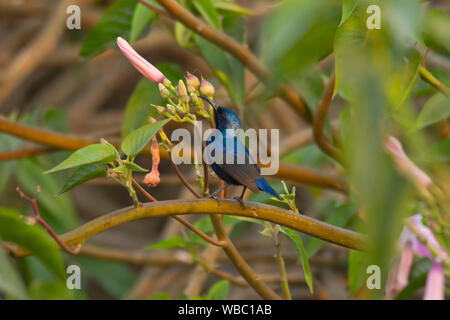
(247, 174)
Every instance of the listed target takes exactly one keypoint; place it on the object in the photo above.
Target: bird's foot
(241, 201)
(215, 198)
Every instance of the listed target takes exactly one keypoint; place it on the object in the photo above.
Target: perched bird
(247, 174)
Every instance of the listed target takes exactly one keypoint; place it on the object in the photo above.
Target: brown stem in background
(43, 223)
(24, 153)
(240, 52)
(319, 121)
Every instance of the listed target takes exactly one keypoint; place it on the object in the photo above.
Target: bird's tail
(263, 185)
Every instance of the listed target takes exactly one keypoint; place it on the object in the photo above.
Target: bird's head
(224, 118)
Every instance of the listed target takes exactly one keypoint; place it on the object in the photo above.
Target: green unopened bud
(181, 90)
(167, 83)
(194, 98)
(165, 93)
(192, 81)
(180, 109)
(206, 88)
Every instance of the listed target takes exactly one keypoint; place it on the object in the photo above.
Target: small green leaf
(437, 108)
(135, 167)
(347, 9)
(10, 283)
(94, 153)
(218, 291)
(171, 243)
(83, 174)
(31, 237)
(232, 7)
(115, 22)
(138, 139)
(209, 12)
(297, 244)
(141, 18)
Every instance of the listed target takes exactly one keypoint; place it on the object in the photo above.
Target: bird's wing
(246, 173)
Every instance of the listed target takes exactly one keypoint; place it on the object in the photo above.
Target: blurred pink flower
(143, 66)
(405, 165)
(398, 275)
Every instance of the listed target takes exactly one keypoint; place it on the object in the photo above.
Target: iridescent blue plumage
(243, 170)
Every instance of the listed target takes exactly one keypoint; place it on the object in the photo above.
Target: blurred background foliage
(81, 85)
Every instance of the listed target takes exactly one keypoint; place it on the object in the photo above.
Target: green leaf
(297, 244)
(31, 237)
(11, 284)
(218, 291)
(94, 153)
(138, 106)
(347, 9)
(350, 37)
(209, 12)
(135, 167)
(141, 18)
(297, 34)
(56, 120)
(232, 7)
(438, 152)
(83, 174)
(50, 290)
(138, 139)
(171, 243)
(357, 266)
(159, 296)
(437, 108)
(115, 22)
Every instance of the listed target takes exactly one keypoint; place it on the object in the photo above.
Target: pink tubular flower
(405, 165)
(152, 179)
(142, 65)
(398, 276)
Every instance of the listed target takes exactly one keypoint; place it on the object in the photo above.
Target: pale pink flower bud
(192, 81)
(405, 165)
(206, 88)
(142, 65)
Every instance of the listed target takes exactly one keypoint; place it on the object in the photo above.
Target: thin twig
(38, 218)
(319, 121)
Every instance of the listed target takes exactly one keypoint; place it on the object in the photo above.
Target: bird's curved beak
(212, 103)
